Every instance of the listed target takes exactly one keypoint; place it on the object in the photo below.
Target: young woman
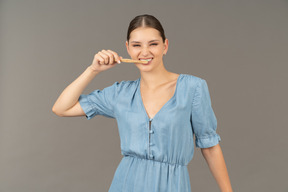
(157, 115)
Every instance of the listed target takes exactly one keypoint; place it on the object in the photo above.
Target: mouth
(146, 59)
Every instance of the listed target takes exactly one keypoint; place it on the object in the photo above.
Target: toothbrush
(133, 61)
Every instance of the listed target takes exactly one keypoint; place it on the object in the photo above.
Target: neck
(152, 79)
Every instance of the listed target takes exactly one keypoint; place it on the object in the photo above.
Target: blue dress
(156, 151)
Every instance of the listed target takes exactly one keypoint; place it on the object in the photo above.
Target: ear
(166, 45)
(127, 47)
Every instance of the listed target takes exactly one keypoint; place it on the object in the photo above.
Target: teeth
(145, 59)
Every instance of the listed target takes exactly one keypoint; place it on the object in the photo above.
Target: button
(151, 156)
(151, 131)
(151, 143)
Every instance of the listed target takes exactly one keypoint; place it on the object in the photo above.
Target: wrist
(90, 69)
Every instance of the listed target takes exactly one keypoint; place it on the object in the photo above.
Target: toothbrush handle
(133, 61)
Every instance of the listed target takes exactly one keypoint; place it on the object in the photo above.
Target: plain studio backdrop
(239, 47)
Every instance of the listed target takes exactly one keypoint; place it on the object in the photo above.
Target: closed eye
(137, 45)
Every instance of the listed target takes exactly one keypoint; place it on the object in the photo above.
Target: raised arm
(215, 160)
(67, 103)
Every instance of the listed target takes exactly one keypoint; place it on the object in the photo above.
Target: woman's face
(147, 44)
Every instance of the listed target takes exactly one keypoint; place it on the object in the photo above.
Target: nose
(145, 51)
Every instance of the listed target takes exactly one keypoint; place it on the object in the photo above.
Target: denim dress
(156, 151)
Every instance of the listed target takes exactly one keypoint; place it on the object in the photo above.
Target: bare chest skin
(154, 100)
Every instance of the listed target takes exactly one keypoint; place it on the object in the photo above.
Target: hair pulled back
(145, 21)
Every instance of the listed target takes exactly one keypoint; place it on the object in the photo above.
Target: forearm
(71, 93)
(215, 160)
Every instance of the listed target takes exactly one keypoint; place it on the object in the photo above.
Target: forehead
(143, 34)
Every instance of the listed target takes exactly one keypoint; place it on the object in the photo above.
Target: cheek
(157, 51)
(134, 51)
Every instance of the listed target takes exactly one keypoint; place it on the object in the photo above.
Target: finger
(105, 57)
(96, 59)
(100, 59)
(116, 56)
(111, 56)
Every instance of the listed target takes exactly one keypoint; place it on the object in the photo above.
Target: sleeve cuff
(86, 106)
(207, 141)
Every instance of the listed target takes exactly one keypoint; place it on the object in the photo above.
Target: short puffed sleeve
(204, 122)
(100, 102)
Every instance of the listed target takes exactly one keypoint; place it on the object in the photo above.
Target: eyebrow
(148, 42)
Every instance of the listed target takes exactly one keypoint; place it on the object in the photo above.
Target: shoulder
(192, 81)
(127, 83)
(124, 85)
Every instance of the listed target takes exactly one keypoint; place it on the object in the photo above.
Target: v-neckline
(142, 104)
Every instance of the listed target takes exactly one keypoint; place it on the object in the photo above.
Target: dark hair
(145, 21)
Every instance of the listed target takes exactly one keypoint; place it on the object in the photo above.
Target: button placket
(151, 156)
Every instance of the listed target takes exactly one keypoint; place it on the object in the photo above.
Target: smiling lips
(146, 59)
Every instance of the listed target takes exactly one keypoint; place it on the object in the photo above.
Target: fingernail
(119, 62)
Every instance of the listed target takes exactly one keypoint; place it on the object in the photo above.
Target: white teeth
(145, 59)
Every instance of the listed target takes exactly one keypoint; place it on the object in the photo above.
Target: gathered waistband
(154, 160)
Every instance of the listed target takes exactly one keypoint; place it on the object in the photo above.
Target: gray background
(239, 47)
